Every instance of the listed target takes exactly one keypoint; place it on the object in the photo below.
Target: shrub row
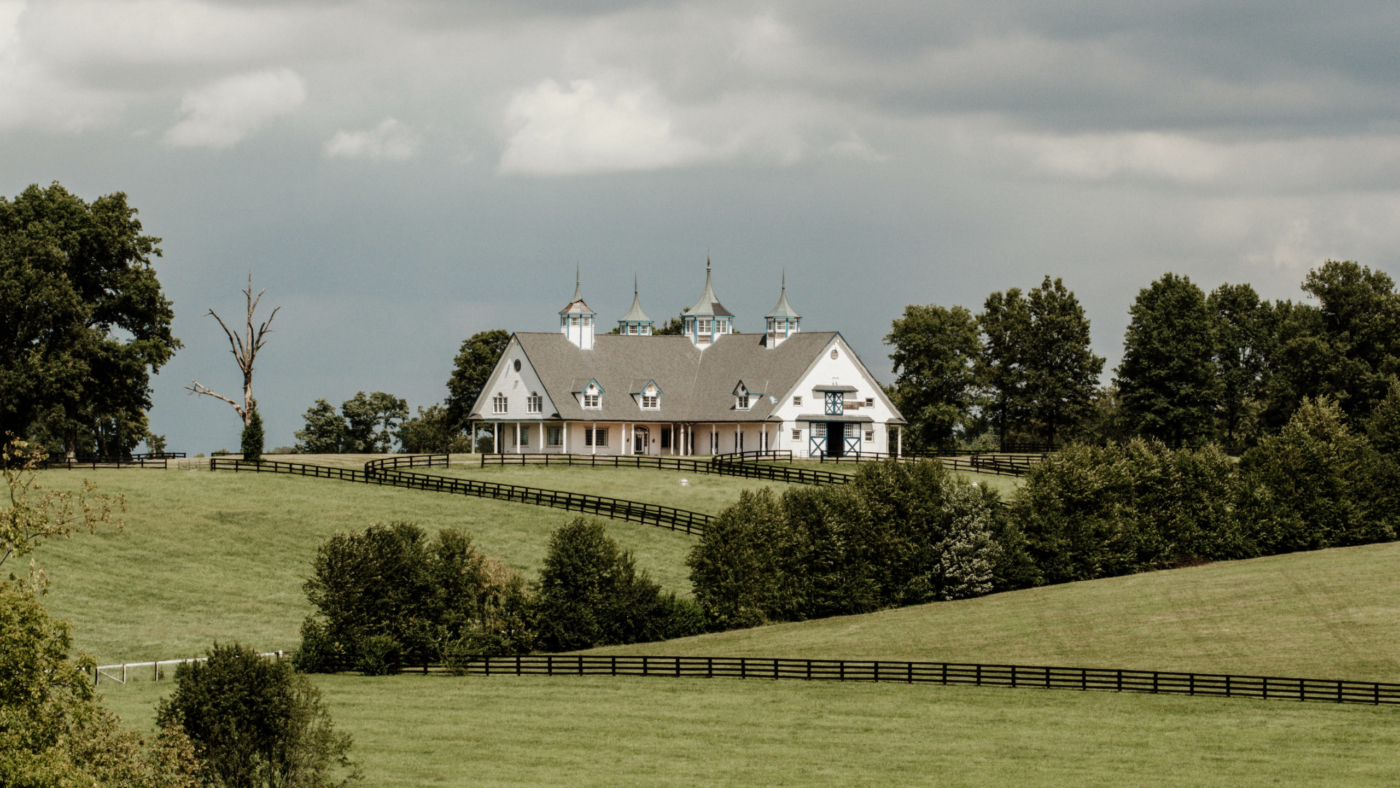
(390, 597)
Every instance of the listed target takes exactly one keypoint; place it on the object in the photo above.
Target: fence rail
(747, 469)
(109, 671)
(945, 673)
(683, 520)
(997, 465)
(396, 461)
(134, 461)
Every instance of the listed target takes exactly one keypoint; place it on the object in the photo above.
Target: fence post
(549, 664)
(877, 671)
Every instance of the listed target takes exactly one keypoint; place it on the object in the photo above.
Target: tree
(1241, 336)
(1001, 366)
(35, 515)
(591, 594)
(934, 352)
(470, 370)
(1167, 376)
(370, 422)
(254, 722)
(83, 320)
(672, 327)
(1345, 348)
(53, 732)
(325, 430)
(431, 431)
(245, 351)
(253, 435)
(1061, 372)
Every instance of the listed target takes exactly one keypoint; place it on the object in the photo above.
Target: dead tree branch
(245, 352)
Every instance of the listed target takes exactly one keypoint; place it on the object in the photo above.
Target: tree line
(1225, 366)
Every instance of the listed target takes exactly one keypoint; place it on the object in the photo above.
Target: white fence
(132, 669)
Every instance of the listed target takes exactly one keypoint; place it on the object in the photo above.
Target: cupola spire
(783, 321)
(576, 319)
(635, 322)
(707, 320)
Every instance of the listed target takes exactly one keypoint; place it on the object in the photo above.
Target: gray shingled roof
(697, 385)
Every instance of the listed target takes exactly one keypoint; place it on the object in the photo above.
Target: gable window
(797, 402)
(650, 403)
(534, 403)
(869, 402)
(498, 403)
(598, 437)
(835, 403)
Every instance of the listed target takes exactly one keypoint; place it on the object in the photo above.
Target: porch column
(517, 437)
(899, 443)
(595, 437)
(738, 438)
(566, 438)
(496, 438)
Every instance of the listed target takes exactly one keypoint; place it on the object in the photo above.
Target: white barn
(708, 391)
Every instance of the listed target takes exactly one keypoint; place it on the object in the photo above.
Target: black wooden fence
(945, 673)
(615, 508)
(130, 461)
(747, 469)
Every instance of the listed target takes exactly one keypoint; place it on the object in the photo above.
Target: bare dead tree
(245, 351)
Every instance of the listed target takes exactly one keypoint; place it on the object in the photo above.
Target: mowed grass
(1327, 614)
(438, 730)
(222, 556)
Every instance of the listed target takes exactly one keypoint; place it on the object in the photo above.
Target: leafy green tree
(934, 352)
(253, 435)
(83, 320)
(1346, 347)
(1383, 426)
(1167, 377)
(736, 567)
(432, 430)
(256, 723)
(1089, 512)
(1001, 366)
(673, 327)
(1309, 486)
(325, 430)
(591, 594)
(1061, 372)
(1242, 344)
(371, 422)
(471, 369)
(35, 515)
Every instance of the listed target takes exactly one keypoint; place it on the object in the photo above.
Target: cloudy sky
(400, 175)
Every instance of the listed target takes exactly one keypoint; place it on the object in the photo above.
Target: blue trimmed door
(816, 445)
(852, 441)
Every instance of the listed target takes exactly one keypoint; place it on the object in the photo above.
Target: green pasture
(1326, 614)
(222, 556)
(437, 730)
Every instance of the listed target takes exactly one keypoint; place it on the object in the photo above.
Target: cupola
(576, 319)
(783, 321)
(635, 322)
(708, 320)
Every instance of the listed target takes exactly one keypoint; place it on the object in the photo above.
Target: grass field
(223, 556)
(1327, 614)
(437, 730)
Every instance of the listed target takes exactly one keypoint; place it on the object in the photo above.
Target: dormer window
(499, 403)
(649, 398)
(651, 403)
(743, 398)
(593, 396)
(743, 402)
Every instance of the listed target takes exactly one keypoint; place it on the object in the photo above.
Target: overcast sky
(400, 175)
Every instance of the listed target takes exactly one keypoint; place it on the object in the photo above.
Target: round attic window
(833, 355)
(517, 364)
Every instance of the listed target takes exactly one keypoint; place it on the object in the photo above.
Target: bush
(1313, 486)
(379, 655)
(1091, 512)
(899, 534)
(255, 722)
(252, 443)
(591, 594)
(392, 582)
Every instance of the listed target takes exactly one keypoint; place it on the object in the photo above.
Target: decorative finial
(578, 291)
(634, 284)
(784, 279)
